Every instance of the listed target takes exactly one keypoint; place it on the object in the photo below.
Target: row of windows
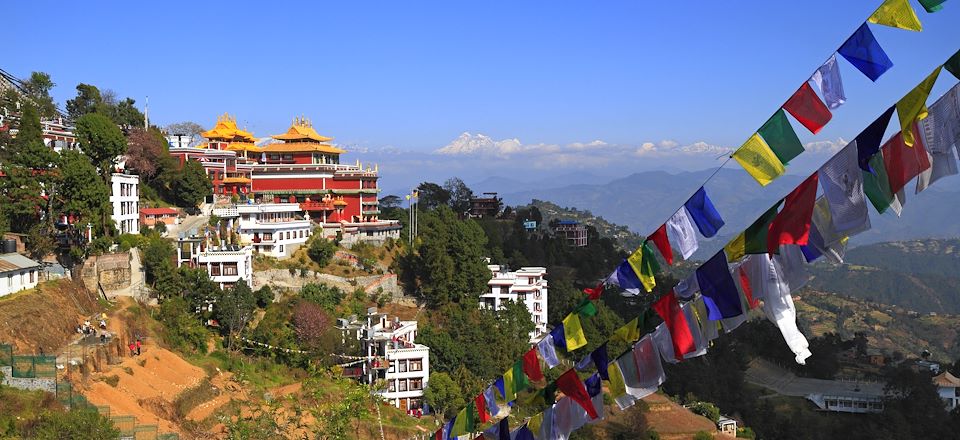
(405, 385)
(22, 277)
(128, 189)
(404, 365)
(290, 235)
(129, 208)
(229, 269)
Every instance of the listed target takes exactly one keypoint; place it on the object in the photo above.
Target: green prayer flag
(876, 185)
(756, 235)
(459, 424)
(471, 423)
(780, 137)
(587, 308)
(932, 5)
(953, 65)
(520, 381)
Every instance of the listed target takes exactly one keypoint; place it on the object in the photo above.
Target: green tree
(88, 100)
(193, 185)
(321, 250)
(460, 195)
(443, 395)
(234, 309)
(85, 423)
(432, 195)
(339, 416)
(102, 141)
(82, 192)
(158, 255)
(31, 170)
(38, 88)
(182, 328)
(707, 410)
(126, 114)
(325, 296)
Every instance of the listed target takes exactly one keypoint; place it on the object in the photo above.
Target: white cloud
(671, 148)
(825, 146)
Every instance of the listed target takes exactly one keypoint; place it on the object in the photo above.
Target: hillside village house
(274, 229)
(226, 264)
(17, 272)
(125, 200)
(948, 387)
(527, 286)
(390, 355)
(152, 216)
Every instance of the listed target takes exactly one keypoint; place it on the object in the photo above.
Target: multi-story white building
(274, 229)
(225, 265)
(125, 199)
(393, 359)
(527, 286)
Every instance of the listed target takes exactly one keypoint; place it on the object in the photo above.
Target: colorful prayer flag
(531, 365)
(869, 140)
(586, 308)
(842, 181)
(681, 228)
(747, 291)
(481, 402)
(615, 378)
(932, 5)
(736, 248)
(520, 380)
(759, 160)
(626, 278)
(913, 106)
(571, 386)
(669, 309)
(659, 238)
(594, 292)
(549, 355)
(792, 224)
(864, 52)
(508, 386)
(780, 137)
(573, 332)
(628, 333)
(902, 162)
(898, 14)
(754, 239)
(558, 338)
(704, 215)
(719, 292)
(645, 265)
(877, 186)
(600, 359)
(953, 64)
(491, 401)
(827, 78)
(807, 107)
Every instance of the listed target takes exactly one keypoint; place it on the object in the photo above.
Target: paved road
(189, 223)
(783, 382)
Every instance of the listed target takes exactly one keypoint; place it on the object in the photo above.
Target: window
(288, 235)
(33, 276)
(402, 385)
(229, 269)
(301, 234)
(268, 236)
(215, 270)
(416, 364)
(416, 384)
(392, 387)
(401, 366)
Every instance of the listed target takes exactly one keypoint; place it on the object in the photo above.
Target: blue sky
(412, 76)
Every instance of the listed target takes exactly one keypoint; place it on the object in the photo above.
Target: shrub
(321, 251)
(707, 410)
(702, 435)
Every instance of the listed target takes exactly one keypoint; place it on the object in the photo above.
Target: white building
(392, 358)
(526, 285)
(225, 265)
(274, 229)
(179, 140)
(125, 199)
(17, 273)
(948, 386)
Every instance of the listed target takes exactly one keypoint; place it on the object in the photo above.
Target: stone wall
(44, 384)
(282, 278)
(112, 270)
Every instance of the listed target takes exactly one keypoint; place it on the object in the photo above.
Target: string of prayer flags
(864, 52)
(807, 107)
(913, 106)
(626, 278)
(645, 265)
(594, 293)
(573, 335)
(842, 181)
(792, 224)
(719, 292)
(827, 79)
(780, 137)
(531, 365)
(659, 238)
(481, 403)
(932, 6)
(941, 129)
(869, 140)
(571, 386)
(704, 215)
(902, 162)
(898, 14)
(953, 64)
(547, 352)
(754, 239)
(669, 310)
(756, 157)
(877, 187)
(681, 228)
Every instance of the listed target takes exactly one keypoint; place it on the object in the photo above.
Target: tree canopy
(193, 185)
(102, 141)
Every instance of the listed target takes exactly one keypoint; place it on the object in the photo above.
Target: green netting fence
(126, 425)
(169, 436)
(6, 355)
(31, 367)
(145, 432)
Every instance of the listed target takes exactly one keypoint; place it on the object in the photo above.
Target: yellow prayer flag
(629, 333)
(617, 387)
(534, 423)
(573, 332)
(508, 386)
(647, 277)
(913, 106)
(898, 14)
(758, 159)
(737, 248)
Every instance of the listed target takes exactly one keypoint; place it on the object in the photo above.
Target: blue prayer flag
(523, 433)
(719, 291)
(601, 360)
(703, 213)
(500, 387)
(864, 52)
(868, 141)
(558, 337)
(593, 384)
(626, 278)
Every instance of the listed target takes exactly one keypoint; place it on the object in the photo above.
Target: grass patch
(192, 398)
(111, 380)
(259, 373)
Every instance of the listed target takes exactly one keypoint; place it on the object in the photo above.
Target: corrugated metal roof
(12, 262)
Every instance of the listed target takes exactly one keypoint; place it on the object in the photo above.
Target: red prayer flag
(439, 434)
(571, 386)
(659, 238)
(807, 107)
(593, 293)
(531, 365)
(747, 290)
(792, 224)
(481, 402)
(903, 162)
(669, 309)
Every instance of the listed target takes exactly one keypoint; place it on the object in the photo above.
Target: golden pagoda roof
(302, 130)
(226, 128)
(236, 180)
(243, 146)
(292, 147)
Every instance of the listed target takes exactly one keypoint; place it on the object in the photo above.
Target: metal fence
(6, 355)
(145, 432)
(125, 424)
(31, 367)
